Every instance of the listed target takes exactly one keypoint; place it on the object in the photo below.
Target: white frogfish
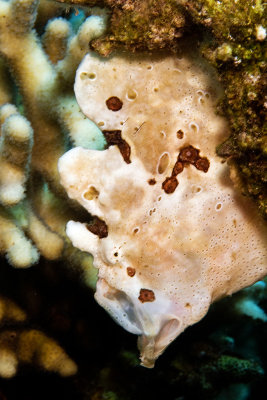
(172, 234)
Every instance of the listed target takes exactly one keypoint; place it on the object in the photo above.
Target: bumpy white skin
(189, 247)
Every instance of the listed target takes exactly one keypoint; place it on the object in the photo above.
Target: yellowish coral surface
(28, 346)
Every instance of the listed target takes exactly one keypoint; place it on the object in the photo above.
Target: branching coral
(15, 150)
(9, 311)
(31, 346)
(28, 346)
(33, 213)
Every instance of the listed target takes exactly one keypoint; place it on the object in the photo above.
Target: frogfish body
(172, 234)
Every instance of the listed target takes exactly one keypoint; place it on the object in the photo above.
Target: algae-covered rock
(237, 48)
(142, 25)
(139, 24)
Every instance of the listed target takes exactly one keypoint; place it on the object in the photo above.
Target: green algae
(142, 25)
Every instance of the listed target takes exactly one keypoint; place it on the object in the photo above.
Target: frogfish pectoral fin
(157, 324)
(151, 347)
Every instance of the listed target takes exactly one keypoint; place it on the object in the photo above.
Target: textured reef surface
(55, 341)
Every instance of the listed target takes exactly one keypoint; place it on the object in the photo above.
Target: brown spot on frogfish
(114, 138)
(146, 295)
(98, 227)
(131, 271)
(189, 154)
(170, 184)
(114, 103)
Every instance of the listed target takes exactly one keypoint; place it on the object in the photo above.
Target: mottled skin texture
(231, 45)
(171, 211)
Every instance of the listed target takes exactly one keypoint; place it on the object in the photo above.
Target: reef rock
(171, 233)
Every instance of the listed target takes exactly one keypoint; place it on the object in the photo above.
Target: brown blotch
(180, 134)
(114, 103)
(152, 181)
(146, 295)
(98, 227)
(170, 184)
(202, 164)
(131, 271)
(189, 154)
(178, 168)
(125, 150)
(114, 138)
